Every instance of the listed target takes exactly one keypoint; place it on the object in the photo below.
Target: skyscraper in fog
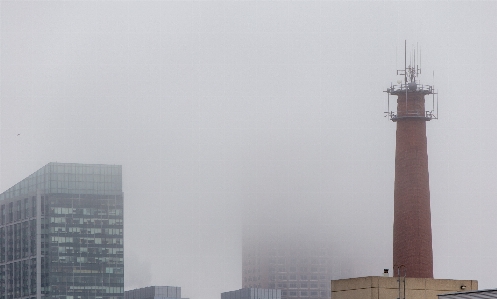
(252, 293)
(291, 260)
(61, 234)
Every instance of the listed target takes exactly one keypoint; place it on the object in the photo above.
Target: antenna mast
(409, 88)
(405, 61)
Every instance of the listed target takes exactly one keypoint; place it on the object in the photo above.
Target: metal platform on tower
(410, 94)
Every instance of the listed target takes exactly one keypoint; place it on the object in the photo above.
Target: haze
(268, 112)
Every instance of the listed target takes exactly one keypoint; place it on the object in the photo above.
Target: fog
(258, 112)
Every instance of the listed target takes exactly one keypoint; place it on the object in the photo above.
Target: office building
(252, 293)
(297, 263)
(154, 292)
(61, 234)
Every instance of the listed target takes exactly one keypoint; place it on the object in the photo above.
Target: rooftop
(70, 178)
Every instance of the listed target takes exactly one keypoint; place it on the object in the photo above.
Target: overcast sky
(214, 106)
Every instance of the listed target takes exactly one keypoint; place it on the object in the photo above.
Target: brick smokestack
(412, 238)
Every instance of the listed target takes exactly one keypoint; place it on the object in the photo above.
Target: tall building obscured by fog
(252, 293)
(61, 234)
(297, 262)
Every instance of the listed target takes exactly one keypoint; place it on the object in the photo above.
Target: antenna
(414, 56)
(396, 56)
(410, 59)
(410, 85)
(418, 67)
(405, 60)
(419, 53)
(433, 103)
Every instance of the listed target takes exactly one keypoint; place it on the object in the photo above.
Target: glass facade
(61, 234)
(297, 264)
(154, 292)
(252, 293)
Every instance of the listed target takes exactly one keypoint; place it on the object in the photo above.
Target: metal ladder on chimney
(402, 281)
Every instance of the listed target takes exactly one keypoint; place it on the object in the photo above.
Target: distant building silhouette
(251, 293)
(296, 263)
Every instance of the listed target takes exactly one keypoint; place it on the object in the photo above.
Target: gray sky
(214, 106)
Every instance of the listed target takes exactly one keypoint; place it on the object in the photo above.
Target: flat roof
(70, 178)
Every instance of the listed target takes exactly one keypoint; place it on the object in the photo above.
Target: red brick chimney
(412, 238)
(412, 217)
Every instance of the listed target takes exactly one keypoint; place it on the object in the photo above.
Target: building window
(11, 207)
(33, 206)
(26, 208)
(18, 210)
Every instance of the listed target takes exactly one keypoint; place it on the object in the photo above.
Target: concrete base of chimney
(379, 287)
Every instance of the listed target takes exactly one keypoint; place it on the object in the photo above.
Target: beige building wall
(380, 287)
